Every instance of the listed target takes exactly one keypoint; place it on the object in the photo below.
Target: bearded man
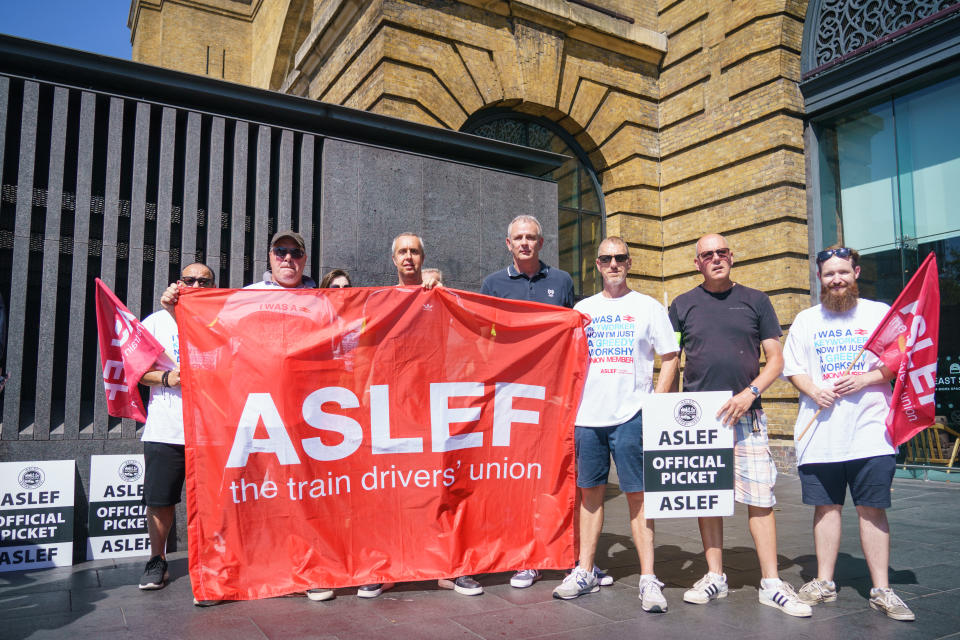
(849, 445)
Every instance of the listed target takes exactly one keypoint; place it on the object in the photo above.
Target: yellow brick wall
(211, 38)
(731, 141)
(702, 133)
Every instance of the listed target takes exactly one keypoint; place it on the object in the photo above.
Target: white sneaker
(602, 577)
(524, 578)
(707, 588)
(783, 597)
(888, 602)
(577, 583)
(320, 594)
(817, 591)
(651, 598)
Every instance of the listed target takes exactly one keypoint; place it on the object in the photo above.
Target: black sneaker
(373, 590)
(206, 603)
(155, 574)
(464, 585)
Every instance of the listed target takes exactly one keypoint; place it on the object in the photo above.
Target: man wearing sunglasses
(163, 447)
(848, 445)
(288, 257)
(627, 330)
(722, 326)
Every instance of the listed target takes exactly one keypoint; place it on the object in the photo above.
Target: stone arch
(580, 214)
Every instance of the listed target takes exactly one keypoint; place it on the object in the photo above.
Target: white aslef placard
(36, 514)
(687, 456)
(117, 523)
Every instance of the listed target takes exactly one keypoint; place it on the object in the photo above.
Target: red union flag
(127, 351)
(906, 342)
(340, 437)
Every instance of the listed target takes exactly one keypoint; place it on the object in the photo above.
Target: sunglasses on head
(708, 255)
(620, 258)
(840, 252)
(203, 282)
(282, 252)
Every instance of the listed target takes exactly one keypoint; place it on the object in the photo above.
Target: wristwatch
(754, 391)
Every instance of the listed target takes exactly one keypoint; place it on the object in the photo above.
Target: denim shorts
(869, 479)
(594, 447)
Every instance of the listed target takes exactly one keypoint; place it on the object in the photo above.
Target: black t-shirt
(721, 335)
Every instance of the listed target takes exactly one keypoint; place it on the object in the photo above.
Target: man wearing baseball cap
(288, 257)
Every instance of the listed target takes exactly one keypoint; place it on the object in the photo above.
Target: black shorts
(164, 475)
(869, 479)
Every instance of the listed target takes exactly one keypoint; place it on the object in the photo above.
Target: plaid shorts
(754, 470)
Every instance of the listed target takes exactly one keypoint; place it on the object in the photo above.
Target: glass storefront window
(580, 210)
(890, 187)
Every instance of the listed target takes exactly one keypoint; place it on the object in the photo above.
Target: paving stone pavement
(100, 600)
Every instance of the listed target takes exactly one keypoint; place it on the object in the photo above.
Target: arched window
(580, 204)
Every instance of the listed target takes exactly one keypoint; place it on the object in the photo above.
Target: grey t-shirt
(721, 335)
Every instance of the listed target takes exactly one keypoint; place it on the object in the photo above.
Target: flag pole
(814, 418)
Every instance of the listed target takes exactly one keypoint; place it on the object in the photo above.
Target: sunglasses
(620, 258)
(282, 252)
(708, 255)
(203, 282)
(840, 252)
(339, 286)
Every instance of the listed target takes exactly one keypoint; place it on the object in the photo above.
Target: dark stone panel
(285, 181)
(161, 260)
(261, 212)
(17, 302)
(215, 196)
(545, 209)
(390, 203)
(340, 205)
(51, 268)
(505, 196)
(78, 271)
(4, 97)
(108, 258)
(238, 208)
(138, 208)
(191, 191)
(451, 220)
(499, 194)
(305, 215)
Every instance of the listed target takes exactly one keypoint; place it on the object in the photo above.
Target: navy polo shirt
(548, 285)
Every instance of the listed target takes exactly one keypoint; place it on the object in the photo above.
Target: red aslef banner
(906, 342)
(127, 351)
(340, 437)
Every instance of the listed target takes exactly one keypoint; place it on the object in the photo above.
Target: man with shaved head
(627, 331)
(163, 444)
(722, 326)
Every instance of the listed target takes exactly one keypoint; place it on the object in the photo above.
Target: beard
(840, 300)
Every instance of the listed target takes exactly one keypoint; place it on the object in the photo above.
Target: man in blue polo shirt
(528, 278)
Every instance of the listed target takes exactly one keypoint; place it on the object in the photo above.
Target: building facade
(679, 117)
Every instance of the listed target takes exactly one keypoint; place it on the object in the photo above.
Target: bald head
(711, 239)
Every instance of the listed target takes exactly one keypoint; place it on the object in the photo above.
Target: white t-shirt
(165, 410)
(622, 337)
(821, 344)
